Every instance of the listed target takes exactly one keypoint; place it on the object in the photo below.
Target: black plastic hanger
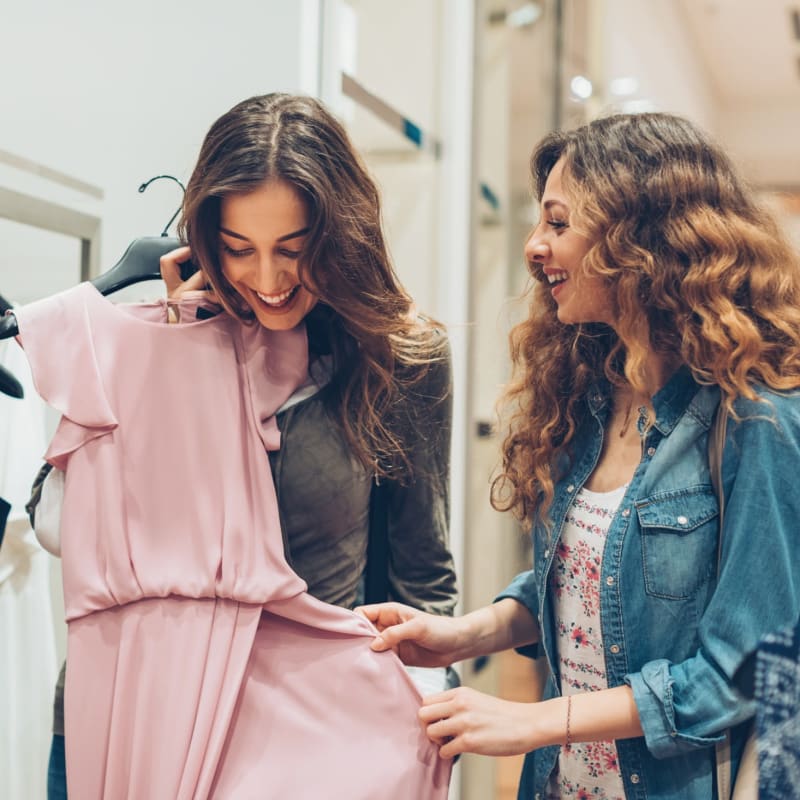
(140, 262)
(8, 383)
(8, 327)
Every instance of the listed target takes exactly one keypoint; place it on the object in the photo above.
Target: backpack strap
(716, 448)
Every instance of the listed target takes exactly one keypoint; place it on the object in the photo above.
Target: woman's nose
(267, 271)
(535, 248)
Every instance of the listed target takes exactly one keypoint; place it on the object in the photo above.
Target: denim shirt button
(673, 734)
(651, 451)
(547, 552)
(634, 777)
(682, 520)
(614, 648)
(571, 488)
(610, 580)
(626, 512)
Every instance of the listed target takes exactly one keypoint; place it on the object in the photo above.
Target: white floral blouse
(585, 769)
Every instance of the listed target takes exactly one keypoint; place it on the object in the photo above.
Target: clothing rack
(422, 140)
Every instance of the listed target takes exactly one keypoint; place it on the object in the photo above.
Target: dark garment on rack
(57, 770)
(36, 493)
(5, 508)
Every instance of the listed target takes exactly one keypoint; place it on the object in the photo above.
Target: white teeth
(554, 277)
(276, 299)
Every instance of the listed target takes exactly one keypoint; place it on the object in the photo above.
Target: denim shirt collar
(669, 403)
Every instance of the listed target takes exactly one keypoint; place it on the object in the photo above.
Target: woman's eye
(557, 224)
(236, 253)
(293, 254)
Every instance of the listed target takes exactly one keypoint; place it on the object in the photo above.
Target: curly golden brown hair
(697, 271)
(363, 318)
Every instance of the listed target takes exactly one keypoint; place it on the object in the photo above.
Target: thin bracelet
(569, 714)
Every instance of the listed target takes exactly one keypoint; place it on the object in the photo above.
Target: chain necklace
(626, 421)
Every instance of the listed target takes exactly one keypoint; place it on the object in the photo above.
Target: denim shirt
(673, 629)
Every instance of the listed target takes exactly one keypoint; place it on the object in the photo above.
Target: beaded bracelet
(569, 714)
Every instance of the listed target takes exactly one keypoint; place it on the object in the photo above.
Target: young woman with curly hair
(661, 290)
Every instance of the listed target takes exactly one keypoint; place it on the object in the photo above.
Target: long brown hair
(363, 314)
(696, 269)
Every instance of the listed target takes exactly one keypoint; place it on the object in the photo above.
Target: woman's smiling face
(261, 235)
(557, 250)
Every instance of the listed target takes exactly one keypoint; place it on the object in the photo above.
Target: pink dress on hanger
(198, 666)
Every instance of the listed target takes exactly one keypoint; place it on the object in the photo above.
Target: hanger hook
(178, 209)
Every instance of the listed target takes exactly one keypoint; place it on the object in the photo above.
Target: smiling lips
(556, 276)
(279, 300)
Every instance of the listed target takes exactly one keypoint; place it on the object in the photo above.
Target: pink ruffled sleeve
(56, 334)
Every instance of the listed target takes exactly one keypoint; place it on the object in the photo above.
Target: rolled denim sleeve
(523, 590)
(690, 704)
(654, 693)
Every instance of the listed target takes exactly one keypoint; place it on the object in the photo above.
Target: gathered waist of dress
(300, 608)
(88, 601)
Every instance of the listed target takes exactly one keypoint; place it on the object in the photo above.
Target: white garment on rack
(48, 512)
(28, 665)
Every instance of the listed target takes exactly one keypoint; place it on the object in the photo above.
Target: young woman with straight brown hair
(283, 227)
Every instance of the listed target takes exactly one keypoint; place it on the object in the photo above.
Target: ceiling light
(581, 87)
(523, 17)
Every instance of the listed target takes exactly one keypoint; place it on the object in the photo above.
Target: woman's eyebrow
(284, 238)
(295, 235)
(235, 235)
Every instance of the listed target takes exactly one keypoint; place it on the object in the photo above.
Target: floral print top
(585, 769)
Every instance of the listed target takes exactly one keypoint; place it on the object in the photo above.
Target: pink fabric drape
(198, 666)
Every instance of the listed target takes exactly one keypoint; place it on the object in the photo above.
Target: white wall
(396, 55)
(650, 42)
(114, 93)
(767, 160)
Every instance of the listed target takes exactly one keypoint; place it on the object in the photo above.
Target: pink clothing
(198, 666)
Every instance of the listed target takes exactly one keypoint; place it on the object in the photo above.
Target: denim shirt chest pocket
(679, 532)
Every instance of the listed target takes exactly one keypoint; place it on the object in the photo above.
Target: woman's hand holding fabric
(419, 639)
(427, 640)
(466, 721)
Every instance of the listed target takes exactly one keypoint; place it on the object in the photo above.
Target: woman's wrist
(587, 717)
(552, 722)
(469, 633)
(493, 628)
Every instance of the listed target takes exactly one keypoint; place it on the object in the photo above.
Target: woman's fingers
(195, 282)
(170, 264)
(392, 636)
(465, 721)
(382, 615)
(171, 269)
(436, 706)
(387, 617)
